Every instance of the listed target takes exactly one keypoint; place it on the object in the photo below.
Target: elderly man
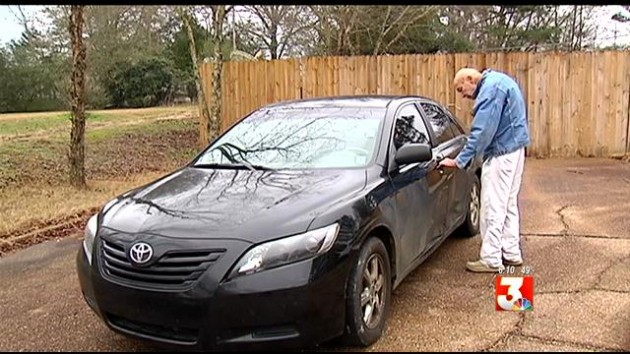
(500, 134)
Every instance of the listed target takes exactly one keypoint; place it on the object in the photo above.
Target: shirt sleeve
(487, 116)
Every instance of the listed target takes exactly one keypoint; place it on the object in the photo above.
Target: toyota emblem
(140, 253)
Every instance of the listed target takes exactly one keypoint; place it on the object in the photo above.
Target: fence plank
(626, 96)
(620, 103)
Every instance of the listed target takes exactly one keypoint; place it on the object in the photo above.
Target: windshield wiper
(234, 165)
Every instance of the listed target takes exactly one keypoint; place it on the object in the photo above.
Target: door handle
(439, 157)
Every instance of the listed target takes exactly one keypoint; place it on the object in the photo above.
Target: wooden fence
(578, 103)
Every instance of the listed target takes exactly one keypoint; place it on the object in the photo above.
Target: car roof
(368, 101)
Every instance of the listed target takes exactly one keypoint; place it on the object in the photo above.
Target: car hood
(253, 206)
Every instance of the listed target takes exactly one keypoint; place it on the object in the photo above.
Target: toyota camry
(291, 228)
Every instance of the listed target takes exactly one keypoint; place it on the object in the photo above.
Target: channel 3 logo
(515, 293)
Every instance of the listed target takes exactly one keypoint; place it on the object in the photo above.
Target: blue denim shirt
(500, 123)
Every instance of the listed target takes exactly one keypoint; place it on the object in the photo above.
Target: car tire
(470, 227)
(368, 297)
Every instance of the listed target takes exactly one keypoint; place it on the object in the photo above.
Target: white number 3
(514, 284)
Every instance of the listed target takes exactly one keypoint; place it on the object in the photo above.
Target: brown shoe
(479, 266)
(517, 262)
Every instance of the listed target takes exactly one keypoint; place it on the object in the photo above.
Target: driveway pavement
(576, 237)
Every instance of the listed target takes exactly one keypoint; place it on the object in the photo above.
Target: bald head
(465, 82)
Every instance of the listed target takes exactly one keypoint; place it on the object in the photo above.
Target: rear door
(460, 194)
(449, 142)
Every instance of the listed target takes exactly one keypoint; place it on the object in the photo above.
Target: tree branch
(21, 18)
(204, 113)
(406, 25)
(288, 36)
(381, 35)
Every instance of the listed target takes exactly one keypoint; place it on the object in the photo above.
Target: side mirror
(411, 153)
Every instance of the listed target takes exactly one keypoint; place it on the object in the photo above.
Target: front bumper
(291, 306)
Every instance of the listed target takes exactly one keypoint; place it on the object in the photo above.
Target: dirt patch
(139, 112)
(43, 231)
(624, 158)
(46, 226)
(123, 151)
(28, 207)
(134, 153)
(92, 126)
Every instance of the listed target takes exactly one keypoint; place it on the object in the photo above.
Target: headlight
(287, 250)
(109, 204)
(90, 233)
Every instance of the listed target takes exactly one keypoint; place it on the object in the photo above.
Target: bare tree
(276, 28)
(76, 154)
(334, 26)
(210, 108)
(219, 13)
(204, 112)
(21, 18)
(397, 20)
(522, 27)
(367, 30)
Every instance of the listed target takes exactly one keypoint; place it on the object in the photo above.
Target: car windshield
(299, 138)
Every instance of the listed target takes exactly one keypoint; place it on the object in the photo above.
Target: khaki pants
(500, 220)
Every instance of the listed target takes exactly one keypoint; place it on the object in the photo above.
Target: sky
(607, 27)
(10, 27)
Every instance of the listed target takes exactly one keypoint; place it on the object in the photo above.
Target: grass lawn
(124, 149)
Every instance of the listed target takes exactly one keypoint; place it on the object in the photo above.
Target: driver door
(417, 189)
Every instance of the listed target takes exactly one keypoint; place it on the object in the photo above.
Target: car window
(454, 129)
(456, 124)
(409, 127)
(440, 122)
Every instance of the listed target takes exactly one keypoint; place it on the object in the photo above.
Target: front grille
(180, 334)
(175, 268)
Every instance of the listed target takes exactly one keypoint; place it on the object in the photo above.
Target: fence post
(628, 124)
(301, 66)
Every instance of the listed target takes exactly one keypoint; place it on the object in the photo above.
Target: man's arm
(485, 124)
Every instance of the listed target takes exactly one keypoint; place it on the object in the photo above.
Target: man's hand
(448, 162)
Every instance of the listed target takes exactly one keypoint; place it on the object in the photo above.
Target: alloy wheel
(372, 296)
(475, 205)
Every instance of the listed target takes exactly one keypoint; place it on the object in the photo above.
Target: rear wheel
(470, 227)
(369, 294)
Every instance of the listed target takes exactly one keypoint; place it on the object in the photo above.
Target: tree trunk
(76, 153)
(204, 114)
(581, 29)
(572, 35)
(273, 46)
(218, 12)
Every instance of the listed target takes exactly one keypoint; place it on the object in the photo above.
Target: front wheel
(369, 294)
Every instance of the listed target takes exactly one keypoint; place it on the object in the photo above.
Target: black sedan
(290, 229)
